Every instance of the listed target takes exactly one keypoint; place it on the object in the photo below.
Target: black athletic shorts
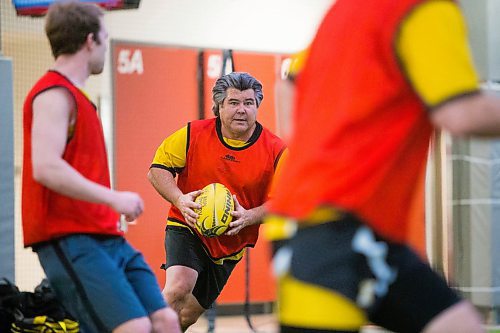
(388, 281)
(185, 249)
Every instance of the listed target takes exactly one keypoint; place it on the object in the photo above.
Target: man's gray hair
(238, 80)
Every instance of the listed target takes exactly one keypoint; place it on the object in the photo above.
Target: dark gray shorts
(395, 288)
(185, 249)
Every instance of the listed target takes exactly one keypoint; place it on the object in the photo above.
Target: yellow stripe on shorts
(304, 305)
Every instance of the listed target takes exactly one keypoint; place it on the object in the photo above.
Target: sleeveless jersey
(362, 133)
(246, 171)
(46, 214)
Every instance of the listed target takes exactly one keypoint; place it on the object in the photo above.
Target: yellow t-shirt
(435, 54)
(433, 48)
(171, 154)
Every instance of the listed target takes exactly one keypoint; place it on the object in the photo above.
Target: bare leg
(178, 293)
(165, 321)
(460, 318)
(139, 325)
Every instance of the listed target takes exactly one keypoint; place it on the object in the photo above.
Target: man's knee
(176, 293)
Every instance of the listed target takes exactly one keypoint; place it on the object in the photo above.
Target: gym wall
(172, 22)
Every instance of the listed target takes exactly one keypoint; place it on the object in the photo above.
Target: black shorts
(185, 249)
(388, 281)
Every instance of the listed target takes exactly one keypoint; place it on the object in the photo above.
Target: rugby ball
(214, 215)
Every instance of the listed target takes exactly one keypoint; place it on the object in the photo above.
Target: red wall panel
(149, 106)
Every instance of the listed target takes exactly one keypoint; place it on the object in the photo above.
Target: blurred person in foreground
(233, 149)
(379, 77)
(71, 217)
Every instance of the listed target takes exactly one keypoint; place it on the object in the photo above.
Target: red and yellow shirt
(373, 73)
(200, 155)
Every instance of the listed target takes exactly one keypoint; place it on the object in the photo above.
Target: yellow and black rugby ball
(214, 215)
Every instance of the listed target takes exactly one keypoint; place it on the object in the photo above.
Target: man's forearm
(258, 213)
(164, 183)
